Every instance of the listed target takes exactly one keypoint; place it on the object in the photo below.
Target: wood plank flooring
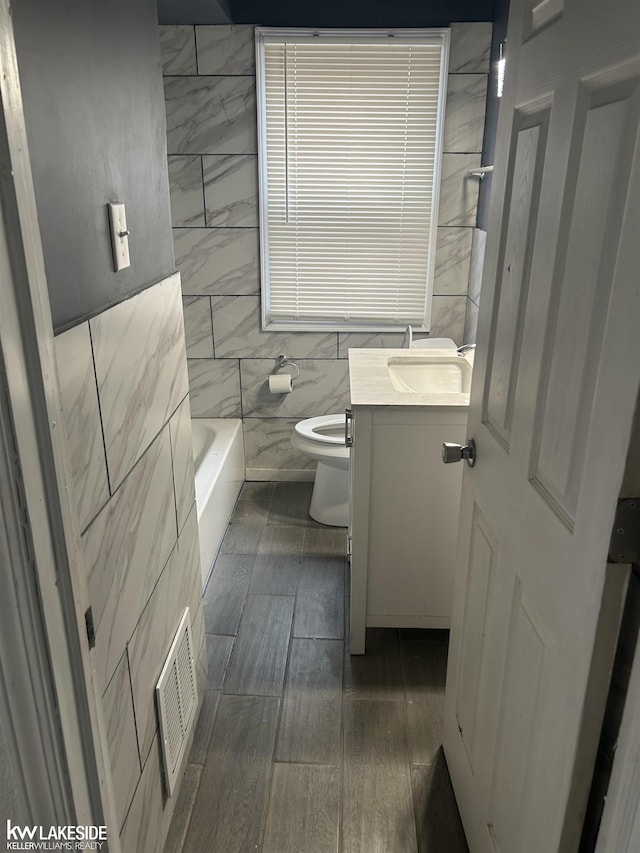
(301, 748)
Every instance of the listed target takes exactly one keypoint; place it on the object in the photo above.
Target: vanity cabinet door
(360, 475)
(414, 509)
(404, 518)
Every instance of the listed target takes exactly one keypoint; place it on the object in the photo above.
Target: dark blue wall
(328, 13)
(194, 12)
(94, 110)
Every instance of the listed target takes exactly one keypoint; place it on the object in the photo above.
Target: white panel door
(555, 384)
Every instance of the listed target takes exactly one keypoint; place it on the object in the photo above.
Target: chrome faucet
(408, 338)
(465, 348)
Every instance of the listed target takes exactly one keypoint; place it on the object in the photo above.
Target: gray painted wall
(94, 110)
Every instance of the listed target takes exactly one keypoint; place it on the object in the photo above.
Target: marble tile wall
(322, 384)
(143, 829)
(475, 284)
(142, 338)
(124, 383)
(81, 413)
(179, 586)
(182, 455)
(125, 550)
(121, 738)
(268, 449)
(213, 168)
(147, 823)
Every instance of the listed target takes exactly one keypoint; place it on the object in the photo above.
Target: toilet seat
(308, 436)
(310, 429)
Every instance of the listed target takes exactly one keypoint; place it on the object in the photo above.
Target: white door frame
(33, 403)
(620, 825)
(37, 763)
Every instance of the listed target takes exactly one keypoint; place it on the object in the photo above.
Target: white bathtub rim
(213, 460)
(219, 480)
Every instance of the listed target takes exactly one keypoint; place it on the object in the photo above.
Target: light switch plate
(119, 236)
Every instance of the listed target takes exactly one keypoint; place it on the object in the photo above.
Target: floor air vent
(177, 697)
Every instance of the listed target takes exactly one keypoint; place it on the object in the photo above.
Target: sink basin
(430, 374)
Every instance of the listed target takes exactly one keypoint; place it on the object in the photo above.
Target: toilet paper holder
(283, 361)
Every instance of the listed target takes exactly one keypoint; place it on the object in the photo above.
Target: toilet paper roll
(280, 383)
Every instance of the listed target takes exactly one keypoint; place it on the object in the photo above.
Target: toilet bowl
(323, 440)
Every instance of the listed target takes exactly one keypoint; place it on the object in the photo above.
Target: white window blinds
(350, 144)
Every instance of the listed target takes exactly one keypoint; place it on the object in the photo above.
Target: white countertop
(371, 385)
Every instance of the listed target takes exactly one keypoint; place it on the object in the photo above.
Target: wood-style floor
(301, 748)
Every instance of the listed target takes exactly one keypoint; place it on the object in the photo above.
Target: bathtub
(218, 455)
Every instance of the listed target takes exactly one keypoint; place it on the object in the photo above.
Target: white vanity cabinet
(405, 506)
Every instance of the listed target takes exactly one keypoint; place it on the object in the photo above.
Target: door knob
(457, 452)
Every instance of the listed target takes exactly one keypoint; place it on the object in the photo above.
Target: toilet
(433, 343)
(323, 439)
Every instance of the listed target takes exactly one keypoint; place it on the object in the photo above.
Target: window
(350, 144)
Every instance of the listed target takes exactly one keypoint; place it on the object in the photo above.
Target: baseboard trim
(383, 620)
(287, 475)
